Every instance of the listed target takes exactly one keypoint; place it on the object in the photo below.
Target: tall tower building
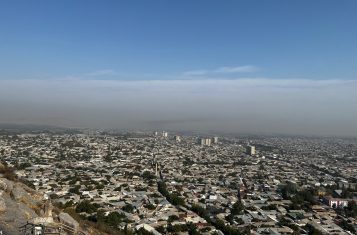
(178, 138)
(156, 170)
(208, 142)
(164, 134)
(215, 140)
(250, 150)
(205, 142)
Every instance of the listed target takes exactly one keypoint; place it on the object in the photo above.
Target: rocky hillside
(20, 204)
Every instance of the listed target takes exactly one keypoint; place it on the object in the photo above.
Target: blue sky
(267, 66)
(177, 39)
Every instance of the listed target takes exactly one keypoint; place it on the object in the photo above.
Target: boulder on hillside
(6, 185)
(18, 193)
(15, 214)
(66, 219)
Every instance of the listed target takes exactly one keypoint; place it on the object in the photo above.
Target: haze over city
(238, 67)
(265, 106)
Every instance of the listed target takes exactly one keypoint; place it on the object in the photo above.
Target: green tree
(147, 175)
(237, 208)
(128, 208)
(114, 219)
(86, 206)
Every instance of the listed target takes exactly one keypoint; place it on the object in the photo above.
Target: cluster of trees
(113, 219)
(219, 224)
(351, 209)
(87, 206)
(68, 204)
(23, 165)
(237, 209)
(313, 231)
(229, 230)
(226, 229)
(75, 189)
(269, 207)
(288, 189)
(173, 198)
(89, 184)
(301, 199)
(142, 231)
(150, 206)
(128, 208)
(147, 175)
(177, 228)
(200, 211)
(348, 226)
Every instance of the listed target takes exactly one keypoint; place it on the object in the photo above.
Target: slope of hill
(20, 204)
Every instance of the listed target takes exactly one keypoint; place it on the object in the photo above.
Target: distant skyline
(232, 66)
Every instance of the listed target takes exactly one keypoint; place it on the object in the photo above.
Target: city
(186, 117)
(164, 183)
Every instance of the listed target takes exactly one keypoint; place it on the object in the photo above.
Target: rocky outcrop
(22, 193)
(14, 214)
(6, 185)
(67, 220)
(20, 204)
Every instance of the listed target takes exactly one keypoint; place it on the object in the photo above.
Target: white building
(250, 150)
(165, 134)
(206, 142)
(336, 202)
(178, 138)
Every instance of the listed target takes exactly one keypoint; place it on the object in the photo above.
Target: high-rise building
(178, 138)
(164, 134)
(156, 170)
(215, 140)
(206, 142)
(250, 150)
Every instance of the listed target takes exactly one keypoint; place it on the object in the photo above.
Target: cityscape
(163, 183)
(180, 117)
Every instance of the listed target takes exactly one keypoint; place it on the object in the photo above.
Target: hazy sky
(227, 66)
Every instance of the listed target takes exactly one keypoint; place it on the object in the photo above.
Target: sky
(286, 67)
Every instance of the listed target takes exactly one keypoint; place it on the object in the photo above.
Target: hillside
(20, 204)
